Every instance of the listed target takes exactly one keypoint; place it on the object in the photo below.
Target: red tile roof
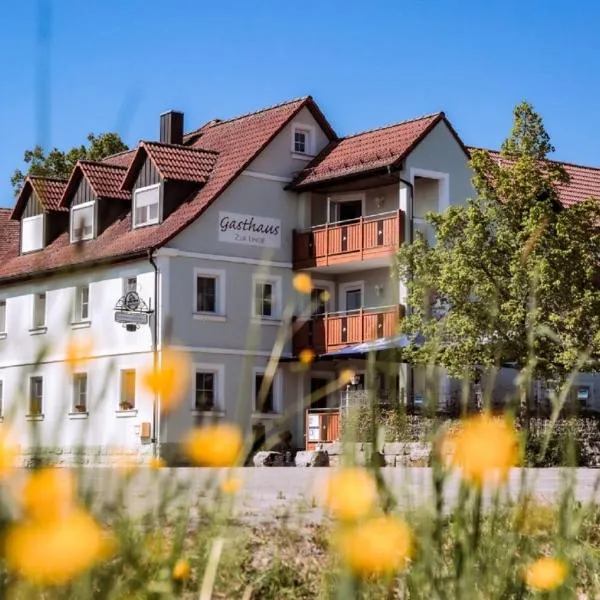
(238, 141)
(179, 163)
(9, 230)
(104, 178)
(368, 151)
(48, 190)
(584, 181)
(122, 159)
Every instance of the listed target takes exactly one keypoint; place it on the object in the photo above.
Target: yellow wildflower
(49, 494)
(306, 356)
(346, 376)
(376, 547)
(231, 485)
(181, 570)
(351, 494)
(484, 449)
(217, 445)
(303, 283)
(546, 574)
(171, 378)
(157, 463)
(57, 550)
(78, 350)
(8, 455)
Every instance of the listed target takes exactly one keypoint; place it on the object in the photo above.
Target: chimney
(171, 127)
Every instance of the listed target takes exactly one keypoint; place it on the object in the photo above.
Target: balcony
(372, 237)
(332, 331)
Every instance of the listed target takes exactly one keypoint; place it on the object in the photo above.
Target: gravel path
(269, 493)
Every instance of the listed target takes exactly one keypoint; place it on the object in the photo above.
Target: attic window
(145, 205)
(82, 222)
(32, 233)
(302, 139)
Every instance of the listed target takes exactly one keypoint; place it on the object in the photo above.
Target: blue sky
(71, 67)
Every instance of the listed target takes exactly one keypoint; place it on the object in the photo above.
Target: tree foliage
(513, 276)
(60, 164)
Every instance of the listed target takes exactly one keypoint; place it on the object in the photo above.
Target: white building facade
(194, 242)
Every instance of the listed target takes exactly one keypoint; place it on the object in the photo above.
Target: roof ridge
(178, 147)
(390, 125)
(553, 160)
(42, 177)
(217, 122)
(100, 163)
(117, 154)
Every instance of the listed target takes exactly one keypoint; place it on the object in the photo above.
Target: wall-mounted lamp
(378, 290)
(379, 201)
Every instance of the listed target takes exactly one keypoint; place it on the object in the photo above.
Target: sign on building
(250, 230)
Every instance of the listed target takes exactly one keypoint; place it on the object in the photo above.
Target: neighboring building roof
(178, 163)
(122, 159)
(584, 182)
(49, 191)
(369, 151)
(238, 141)
(104, 178)
(9, 230)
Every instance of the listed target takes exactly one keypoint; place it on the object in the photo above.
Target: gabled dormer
(94, 199)
(162, 175)
(38, 208)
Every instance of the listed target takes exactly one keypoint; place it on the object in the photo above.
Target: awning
(397, 342)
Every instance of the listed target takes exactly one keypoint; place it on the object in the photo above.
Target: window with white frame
(127, 401)
(2, 316)
(36, 394)
(39, 310)
(82, 303)
(302, 139)
(80, 384)
(266, 298)
(32, 233)
(209, 292)
(1, 398)
(82, 222)
(264, 393)
(145, 205)
(205, 398)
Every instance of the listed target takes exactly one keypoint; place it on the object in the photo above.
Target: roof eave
(311, 186)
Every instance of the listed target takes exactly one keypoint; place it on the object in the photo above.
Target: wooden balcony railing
(345, 241)
(331, 331)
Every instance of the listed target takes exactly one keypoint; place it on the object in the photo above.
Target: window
(80, 392)
(32, 233)
(145, 205)
(265, 402)
(36, 392)
(127, 390)
(129, 285)
(266, 298)
(209, 294)
(206, 294)
(82, 222)
(353, 299)
(300, 141)
(303, 137)
(1, 398)
(2, 316)
(39, 310)
(82, 303)
(205, 397)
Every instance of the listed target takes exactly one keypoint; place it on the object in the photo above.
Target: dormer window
(32, 233)
(303, 140)
(145, 205)
(82, 222)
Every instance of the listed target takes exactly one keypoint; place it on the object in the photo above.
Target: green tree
(513, 276)
(60, 164)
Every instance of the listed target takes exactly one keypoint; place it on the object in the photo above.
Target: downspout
(154, 439)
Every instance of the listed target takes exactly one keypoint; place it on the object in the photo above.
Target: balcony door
(345, 210)
(352, 296)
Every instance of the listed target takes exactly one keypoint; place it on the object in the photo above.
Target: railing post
(362, 325)
(362, 237)
(327, 243)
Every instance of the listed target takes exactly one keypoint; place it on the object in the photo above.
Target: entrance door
(353, 299)
(349, 211)
(316, 390)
